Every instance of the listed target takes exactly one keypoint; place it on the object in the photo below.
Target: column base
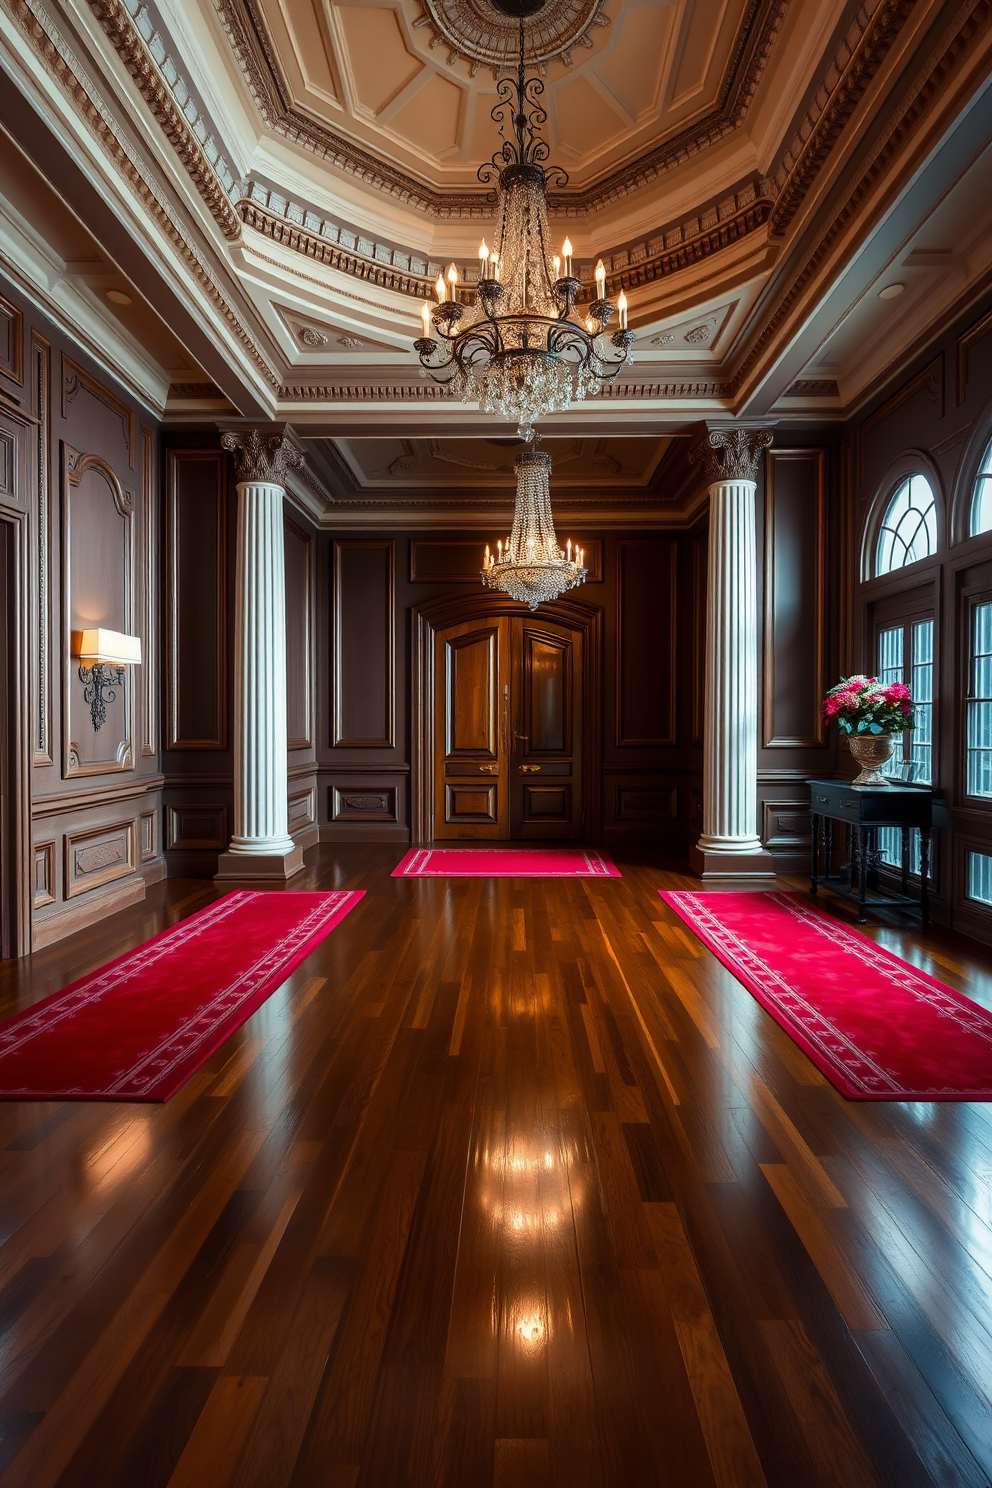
(259, 867)
(753, 865)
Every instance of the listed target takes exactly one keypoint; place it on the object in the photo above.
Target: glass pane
(921, 686)
(979, 709)
(890, 846)
(909, 527)
(981, 501)
(980, 877)
(891, 648)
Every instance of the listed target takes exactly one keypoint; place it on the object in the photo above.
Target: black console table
(865, 808)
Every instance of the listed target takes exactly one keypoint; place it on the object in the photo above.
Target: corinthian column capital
(263, 455)
(732, 454)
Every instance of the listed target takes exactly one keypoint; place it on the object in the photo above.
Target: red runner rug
(140, 1026)
(505, 862)
(874, 1025)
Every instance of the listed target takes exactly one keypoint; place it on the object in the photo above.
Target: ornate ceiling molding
(947, 57)
(130, 46)
(826, 118)
(246, 29)
(85, 99)
(429, 392)
(482, 36)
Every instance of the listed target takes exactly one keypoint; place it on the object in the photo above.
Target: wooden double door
(508, 730)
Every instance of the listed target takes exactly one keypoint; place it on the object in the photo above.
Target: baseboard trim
(86, 912)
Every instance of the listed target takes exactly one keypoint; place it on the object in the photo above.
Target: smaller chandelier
(532, 567)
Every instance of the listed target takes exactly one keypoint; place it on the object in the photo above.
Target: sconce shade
(109, 646)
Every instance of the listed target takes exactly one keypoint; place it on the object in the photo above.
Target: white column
(729, 845)
(261, 846)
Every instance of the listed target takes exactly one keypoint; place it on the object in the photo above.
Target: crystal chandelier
(518, 350)
(532, 567)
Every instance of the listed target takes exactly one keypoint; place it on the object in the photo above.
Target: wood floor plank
(510, 1182)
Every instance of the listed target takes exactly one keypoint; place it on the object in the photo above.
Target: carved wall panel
(203, 825)
(107, 418)
(795, 599)
(363, 803)
(302, 808)
(639, 803)
(363, 645)
(98, 856)
(196, 600)
(148, 834)
(647, 641)
(97, 590)
(41, 373)
(299, 636)
(45, 887)
(11, 341)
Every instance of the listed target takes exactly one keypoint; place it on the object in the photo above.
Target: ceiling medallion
(517, 350)
(484, 32)
(532, 567)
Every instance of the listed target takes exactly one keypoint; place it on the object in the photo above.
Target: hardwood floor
(512, 1183)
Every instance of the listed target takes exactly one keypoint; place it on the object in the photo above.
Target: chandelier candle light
(531, 566)
(518, 350)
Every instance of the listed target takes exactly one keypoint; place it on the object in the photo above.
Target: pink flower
(896, 692)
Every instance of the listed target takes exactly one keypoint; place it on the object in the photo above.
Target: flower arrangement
(863, 705)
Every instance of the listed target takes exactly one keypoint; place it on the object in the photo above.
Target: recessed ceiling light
(891, 291)
(118, 297)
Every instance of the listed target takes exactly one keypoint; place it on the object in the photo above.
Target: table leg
(828, 842)
(814, 864)
(862, 874)
(925, 875)
(904, 859)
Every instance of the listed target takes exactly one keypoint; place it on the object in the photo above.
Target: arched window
(981, 496)
(909, 527)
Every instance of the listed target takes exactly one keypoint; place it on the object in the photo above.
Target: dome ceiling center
(486, 33)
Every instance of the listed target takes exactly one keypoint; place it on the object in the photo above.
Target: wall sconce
(103, 655)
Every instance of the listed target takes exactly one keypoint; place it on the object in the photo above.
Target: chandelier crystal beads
(519, 351)
(532, 567)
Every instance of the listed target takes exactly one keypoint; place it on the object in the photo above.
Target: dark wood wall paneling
(936, 416)
(798, 640)
(84, 484)
(647, 586)
(199, 536)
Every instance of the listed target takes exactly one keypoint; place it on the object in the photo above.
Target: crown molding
(951, 53)
(130, 46)
(89, 107)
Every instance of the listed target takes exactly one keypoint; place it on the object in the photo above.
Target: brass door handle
(488, 769)
(529, 769)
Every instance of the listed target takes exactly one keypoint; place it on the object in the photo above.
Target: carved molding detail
(950, 52)
(246, 29)
(429, 392)
(484, 37)
(826, 117)
(130, 46)
(266, 458)
(732, 454)
(813, 388)
(84, 97)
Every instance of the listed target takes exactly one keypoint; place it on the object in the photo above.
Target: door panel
(546, 697)
(509, 710)
(472, 691)
(547, 679)
(472, 688)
